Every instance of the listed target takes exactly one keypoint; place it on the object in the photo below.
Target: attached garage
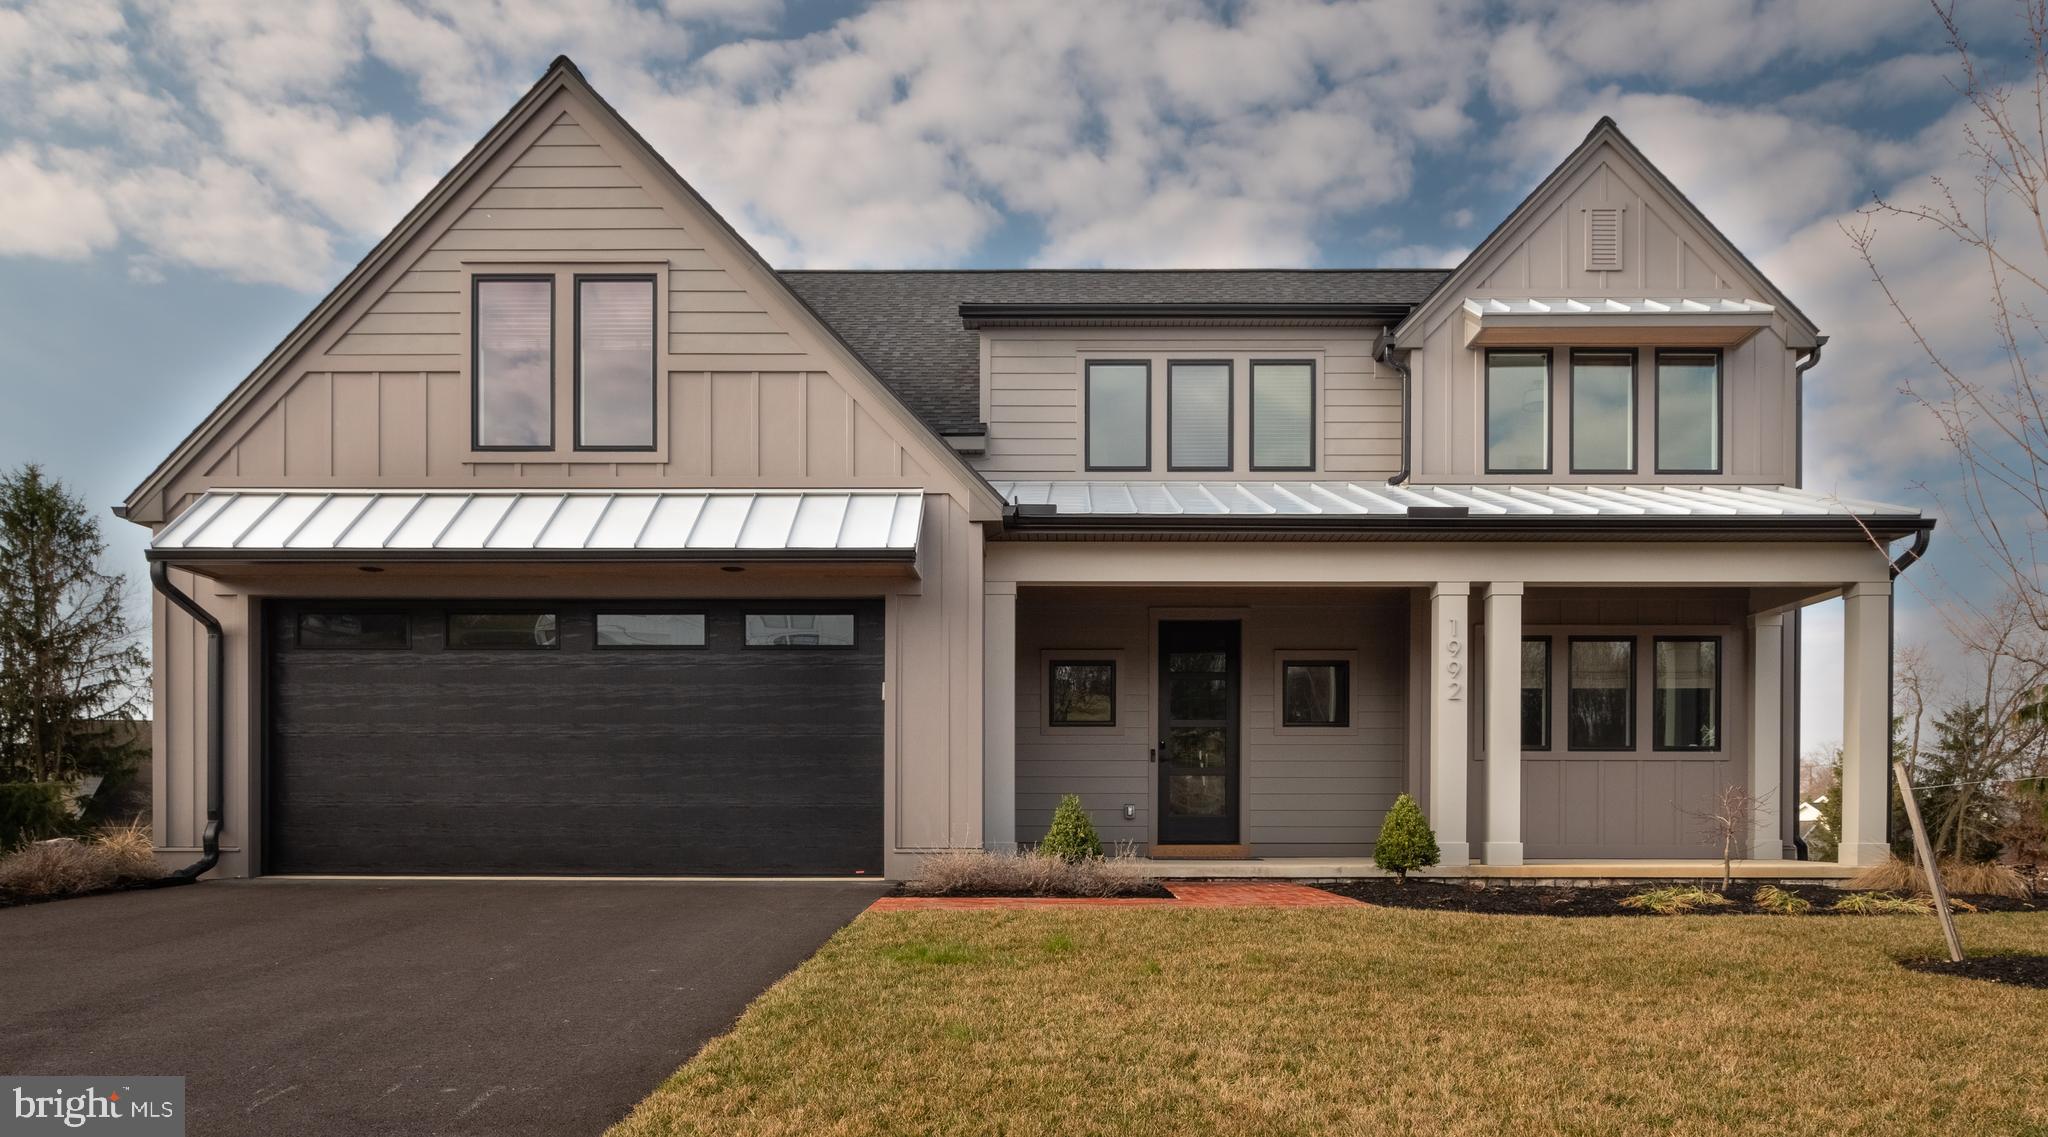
(589, 737)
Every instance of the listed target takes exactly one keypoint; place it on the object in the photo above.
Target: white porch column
(1866, 725)
(1767, 735)
(999, 715)
(1450, 685)
(1504, 723)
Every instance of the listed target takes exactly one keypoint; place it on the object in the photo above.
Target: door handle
(1153, 754)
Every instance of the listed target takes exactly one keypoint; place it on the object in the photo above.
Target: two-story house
(569, 536)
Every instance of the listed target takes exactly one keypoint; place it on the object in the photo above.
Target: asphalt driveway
(352, 1008)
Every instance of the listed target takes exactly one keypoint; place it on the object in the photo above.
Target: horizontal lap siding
(1303, 794)
(1036, 404)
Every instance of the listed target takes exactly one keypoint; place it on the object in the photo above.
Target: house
(569, 536)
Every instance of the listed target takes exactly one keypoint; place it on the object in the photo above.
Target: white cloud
(51, 211)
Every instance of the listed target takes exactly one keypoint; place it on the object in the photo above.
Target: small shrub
(1072, 837)
(33, 811)
(1771, 898)
(1964, 878)
(1883, 904)
(1675, 899)
(972, 872)
(1406, 841)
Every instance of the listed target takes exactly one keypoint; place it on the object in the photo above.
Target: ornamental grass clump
(1406, 841)
(1072, 837)
(1770, 898)
(1675, 900)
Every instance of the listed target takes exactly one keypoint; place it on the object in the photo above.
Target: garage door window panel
(655, 631)
(801, 630)
(354, 631)
(504, 631)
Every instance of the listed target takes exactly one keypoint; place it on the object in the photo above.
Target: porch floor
(1346, 868)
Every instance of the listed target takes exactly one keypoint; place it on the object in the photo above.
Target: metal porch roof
(427, 523)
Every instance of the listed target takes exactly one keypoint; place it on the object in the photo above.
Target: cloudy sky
(181, 181)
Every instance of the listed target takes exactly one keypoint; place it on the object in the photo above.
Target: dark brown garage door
(447, 737)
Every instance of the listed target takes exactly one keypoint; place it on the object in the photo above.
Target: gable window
(1603, 412)
(513, 362)
(1688, 412)
(1081, 692)
(1685, 712)
(614, 363)
(1536, 692)
(1283, 414)
(1119, 398)
(1315, 693)
(1602, 706)
(1517, 412)
(1198, 415)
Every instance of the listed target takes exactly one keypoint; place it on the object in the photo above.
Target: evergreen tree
(1406, 840)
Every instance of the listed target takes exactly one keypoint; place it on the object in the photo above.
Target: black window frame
(299, 629)
(1549, 408)
(1088, 414)
(1053, 664)
(1720, 408)
(476, 374)
(653, 362)
(852, 644)
(449, 616)
(1251, 391)
(1549, 693)
(1229, 415)
(1343, 666)
(597, 615)
(1634, 663)
(1656, 737)
(1635, 393)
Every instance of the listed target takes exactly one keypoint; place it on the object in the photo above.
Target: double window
(1201, 400)
(1600, 696)
(612, 362)
(1602, 411)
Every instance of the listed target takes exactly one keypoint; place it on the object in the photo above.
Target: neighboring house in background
(567, 535)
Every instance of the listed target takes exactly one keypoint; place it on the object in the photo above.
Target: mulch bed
(20, 900)
(1592, 900)
(2017, 970)
(1148, 890)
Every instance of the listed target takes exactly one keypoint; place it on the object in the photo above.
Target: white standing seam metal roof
(546, 522)
(1615, 306)
(1338, 500)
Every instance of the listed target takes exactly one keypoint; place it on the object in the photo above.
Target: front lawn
(1337, 1021)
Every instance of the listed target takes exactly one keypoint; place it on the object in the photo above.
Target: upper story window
(1603, 412)
(1688, 412)
(1517, 412)
(1283, 425)
(615, 362)
(1198, 415)
(513, 363)
(1119, 413)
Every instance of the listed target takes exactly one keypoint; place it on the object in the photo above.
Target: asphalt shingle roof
(907, 324)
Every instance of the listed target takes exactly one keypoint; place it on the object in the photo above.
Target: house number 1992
(1454, 670)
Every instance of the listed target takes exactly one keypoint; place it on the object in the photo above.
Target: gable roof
(1604, 132)
(907, 324)
(561, 74)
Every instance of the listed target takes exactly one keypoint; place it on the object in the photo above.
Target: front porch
(1627, 704)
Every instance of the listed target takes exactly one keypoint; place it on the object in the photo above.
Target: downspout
(1921, 539)
(1799, 371)
(216, 712)
(1387, 357)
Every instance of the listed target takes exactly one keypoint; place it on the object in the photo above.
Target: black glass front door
(1198, 697)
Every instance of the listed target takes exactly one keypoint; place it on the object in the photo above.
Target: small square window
(801, 629)
(650, 629)
(1081, 693)
(361, 631)
(1315, 693)
(510, 631)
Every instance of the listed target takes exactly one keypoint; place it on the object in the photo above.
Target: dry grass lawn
(1331, 1021)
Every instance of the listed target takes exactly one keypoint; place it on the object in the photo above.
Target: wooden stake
(1941, 909)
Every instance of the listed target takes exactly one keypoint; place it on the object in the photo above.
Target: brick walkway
(1186, 894)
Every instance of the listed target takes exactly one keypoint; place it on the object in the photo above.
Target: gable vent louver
(1603, 240)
